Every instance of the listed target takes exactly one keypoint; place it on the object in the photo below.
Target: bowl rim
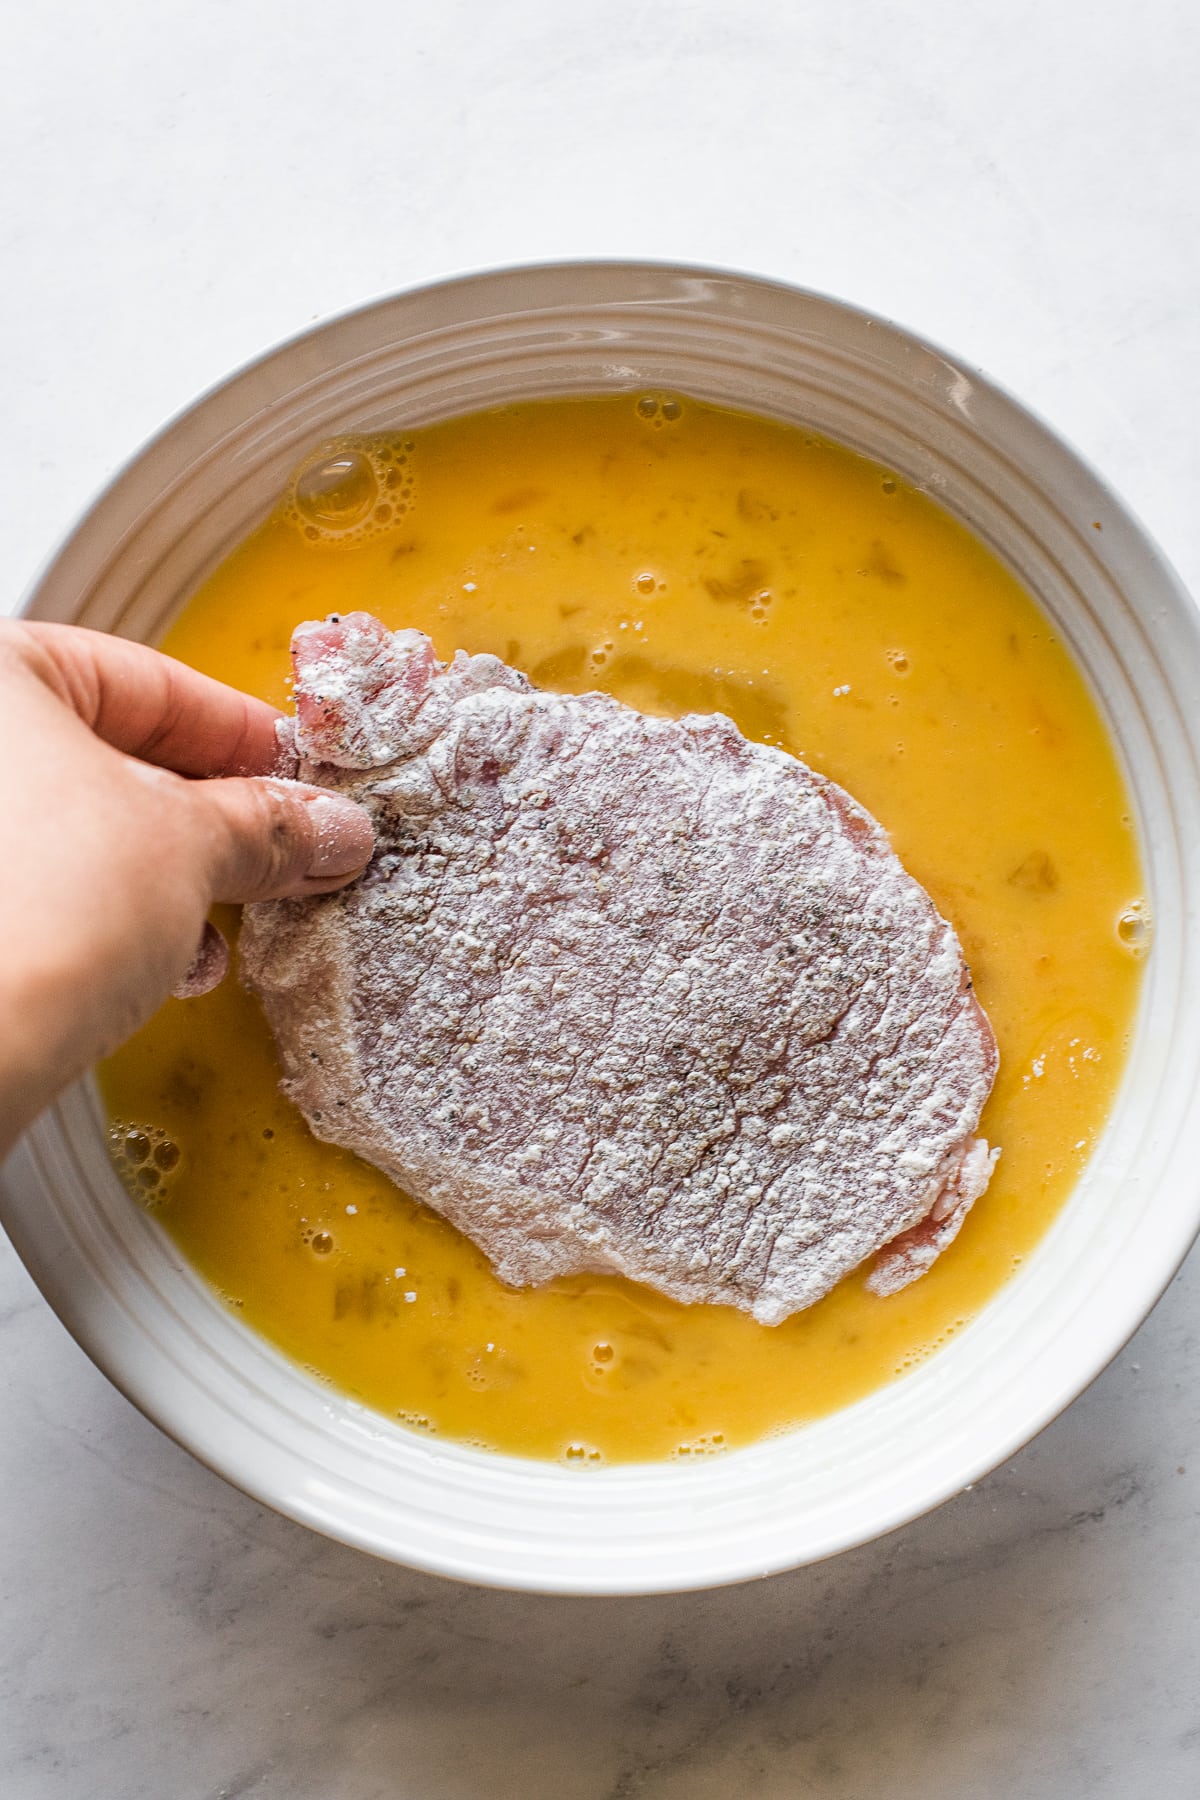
(478, 279)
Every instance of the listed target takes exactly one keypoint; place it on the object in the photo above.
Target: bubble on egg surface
(709, 1443)
(1133, 927)
(416, 1421)
(921, 1353)
(658, 411)
(336, 491)
(603, 1361)
(146, 1158)
(351, 489)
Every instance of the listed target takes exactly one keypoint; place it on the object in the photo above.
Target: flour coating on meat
(619, 992)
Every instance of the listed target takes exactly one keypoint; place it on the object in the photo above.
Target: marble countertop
(188, 184)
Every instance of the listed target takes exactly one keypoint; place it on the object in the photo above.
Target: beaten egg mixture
(682, 558)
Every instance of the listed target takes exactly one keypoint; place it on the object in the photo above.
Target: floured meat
(619, 992)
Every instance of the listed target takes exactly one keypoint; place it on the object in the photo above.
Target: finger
(149, 705)
(208, 967)
(272, 840)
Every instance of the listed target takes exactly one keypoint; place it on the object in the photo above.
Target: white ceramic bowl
(164, 1337)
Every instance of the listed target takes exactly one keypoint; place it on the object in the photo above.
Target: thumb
(273, 840)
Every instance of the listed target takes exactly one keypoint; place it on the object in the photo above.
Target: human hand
(116, 839)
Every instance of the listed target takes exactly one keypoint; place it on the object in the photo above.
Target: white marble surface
(185, 184)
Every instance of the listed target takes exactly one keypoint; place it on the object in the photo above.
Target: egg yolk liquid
(684, 559)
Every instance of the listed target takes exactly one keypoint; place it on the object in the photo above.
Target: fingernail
(343, 836)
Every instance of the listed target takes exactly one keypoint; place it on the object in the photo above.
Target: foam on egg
(145, 1158)
(351, 489)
